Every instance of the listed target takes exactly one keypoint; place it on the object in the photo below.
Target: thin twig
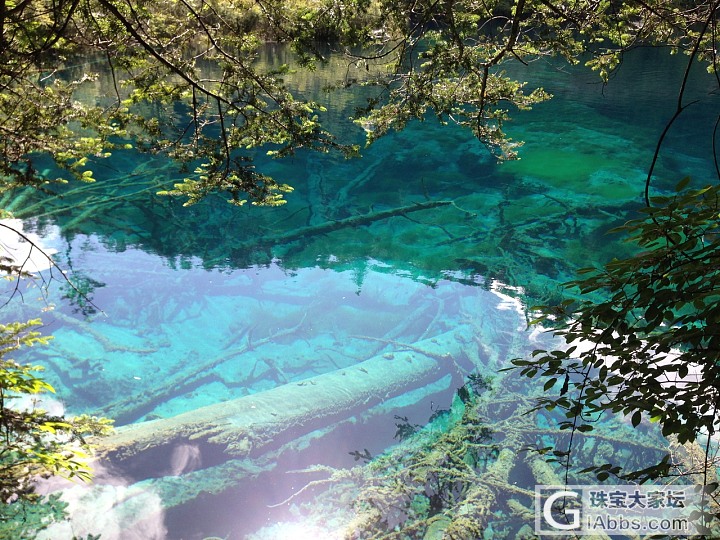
(52, 263)
(680, 107)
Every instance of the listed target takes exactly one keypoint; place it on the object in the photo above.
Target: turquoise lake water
(187, 308)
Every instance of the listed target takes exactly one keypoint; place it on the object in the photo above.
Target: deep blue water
(190, 307)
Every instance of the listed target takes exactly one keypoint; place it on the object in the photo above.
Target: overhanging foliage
(35, 442)
(185, 80)
(644, 335)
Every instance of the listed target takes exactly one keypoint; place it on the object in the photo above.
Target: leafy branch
(35, 442)
(644, 334)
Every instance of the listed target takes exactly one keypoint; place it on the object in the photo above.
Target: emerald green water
(197, 306)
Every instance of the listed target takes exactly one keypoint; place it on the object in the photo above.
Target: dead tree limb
(355, 221)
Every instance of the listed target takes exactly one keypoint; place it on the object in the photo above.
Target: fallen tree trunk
(178, 489)
(137, 506)
(355, 221)
(251, 425)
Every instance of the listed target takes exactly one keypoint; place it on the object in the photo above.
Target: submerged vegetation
(185, 84)
(471, 473)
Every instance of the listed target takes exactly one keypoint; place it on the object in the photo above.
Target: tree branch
(164, 61)
(51, 262)
(680, 107)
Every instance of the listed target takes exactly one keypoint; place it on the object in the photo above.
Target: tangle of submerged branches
(458, 476)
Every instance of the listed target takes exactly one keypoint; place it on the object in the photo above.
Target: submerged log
(355, 221)
(183, 486)
(130, 408)
(251, 425)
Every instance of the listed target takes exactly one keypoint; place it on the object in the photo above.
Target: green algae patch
(558, 168)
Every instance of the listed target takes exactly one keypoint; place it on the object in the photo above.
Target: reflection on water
(324, 369)
(249, 367)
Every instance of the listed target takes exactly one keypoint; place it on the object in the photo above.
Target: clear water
(192, 307)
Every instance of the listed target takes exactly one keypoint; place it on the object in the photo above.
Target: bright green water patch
(557, 167)
(579, 174)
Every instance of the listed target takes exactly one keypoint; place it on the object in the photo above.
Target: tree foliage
(185, 82)
(191, 62)
(648, 347)
(35, 443)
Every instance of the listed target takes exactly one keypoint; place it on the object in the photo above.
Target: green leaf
(682, 184)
